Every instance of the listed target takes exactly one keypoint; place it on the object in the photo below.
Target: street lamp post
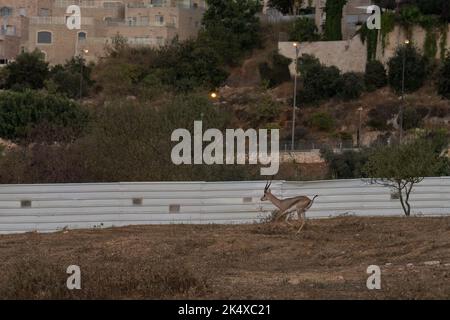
(84, 51)
(296, 46)
(400, 125)
(359, 127)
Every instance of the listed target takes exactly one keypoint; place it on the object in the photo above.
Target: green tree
(304, 30)
(22, 113)
(351, 86)
(375, 76)
(291, 7)
(29, 71)
(400, 167)
(231, 27)
(346, 165)
(319, 81)
(66, 79)
(443, 82)
(333, 23)
(322, 121)
(415, 69)
(277, 71)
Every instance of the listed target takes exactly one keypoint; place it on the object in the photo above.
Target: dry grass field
(328, 260)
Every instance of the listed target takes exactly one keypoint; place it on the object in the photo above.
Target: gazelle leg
(302, 214)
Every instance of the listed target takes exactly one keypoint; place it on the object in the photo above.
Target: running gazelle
(299, 204)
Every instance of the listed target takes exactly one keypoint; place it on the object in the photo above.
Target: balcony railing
(111, 23)
(58, 20)
(8, 32)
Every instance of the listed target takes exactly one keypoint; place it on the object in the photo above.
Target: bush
(322, 121)
(29, 71)
(276, 73)
(21, 113)
(443, 82)
(380, 115)
(347, 165)
(264, 111)
(351, 86)
(304, 30)
(66, 79)
(319, 81)
(415, 69)
(375, 76)
(231, 27)
(413, 117)
(179, 66)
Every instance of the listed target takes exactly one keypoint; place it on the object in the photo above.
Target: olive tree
(400, 167)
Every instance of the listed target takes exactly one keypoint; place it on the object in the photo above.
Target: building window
(132, 21)
(157, 3)
(159, 20)
(6, 12)
(44, 12)
(82, 36)
(112, 4)
(44, 37)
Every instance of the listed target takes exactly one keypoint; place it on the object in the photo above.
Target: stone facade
(351, 55)
(30, 24)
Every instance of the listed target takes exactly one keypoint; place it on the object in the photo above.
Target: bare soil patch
(328, 260)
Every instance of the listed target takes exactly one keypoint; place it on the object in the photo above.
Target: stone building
(353, 14)
(42, 24)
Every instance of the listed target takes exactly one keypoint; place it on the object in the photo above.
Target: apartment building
(353, 15)
(42, 24)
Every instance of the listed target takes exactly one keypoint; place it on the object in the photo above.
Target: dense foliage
(375, 76)
(319, 81)
(415, 69)
(443, 82)
(333, 23)
(304, 30)
(231, 27)
(277, 71)
(28, 113)
(345, 165)
(29, 71)
(351, 86)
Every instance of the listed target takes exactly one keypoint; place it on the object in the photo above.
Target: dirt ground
(328, 260)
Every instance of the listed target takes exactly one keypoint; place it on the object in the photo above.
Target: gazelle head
(266, 191)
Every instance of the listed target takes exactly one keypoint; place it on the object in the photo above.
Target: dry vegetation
(263, 261)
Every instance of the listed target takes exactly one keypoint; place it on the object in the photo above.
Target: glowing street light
(297, 50)
(213, 95)
(83, 52)
(400, 125)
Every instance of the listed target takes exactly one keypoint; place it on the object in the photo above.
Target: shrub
(347, 165)
(415, 69)
(29, 71)
(21, 113)
(351, 86)
(304, 30)
(179, 66)
(322, 121)
(319, 81)
(278, 72)
(375, 76)
(380, 115)
(413, 116)
(265, 110)
(66, 79)
(231, 27)
(443, 82)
